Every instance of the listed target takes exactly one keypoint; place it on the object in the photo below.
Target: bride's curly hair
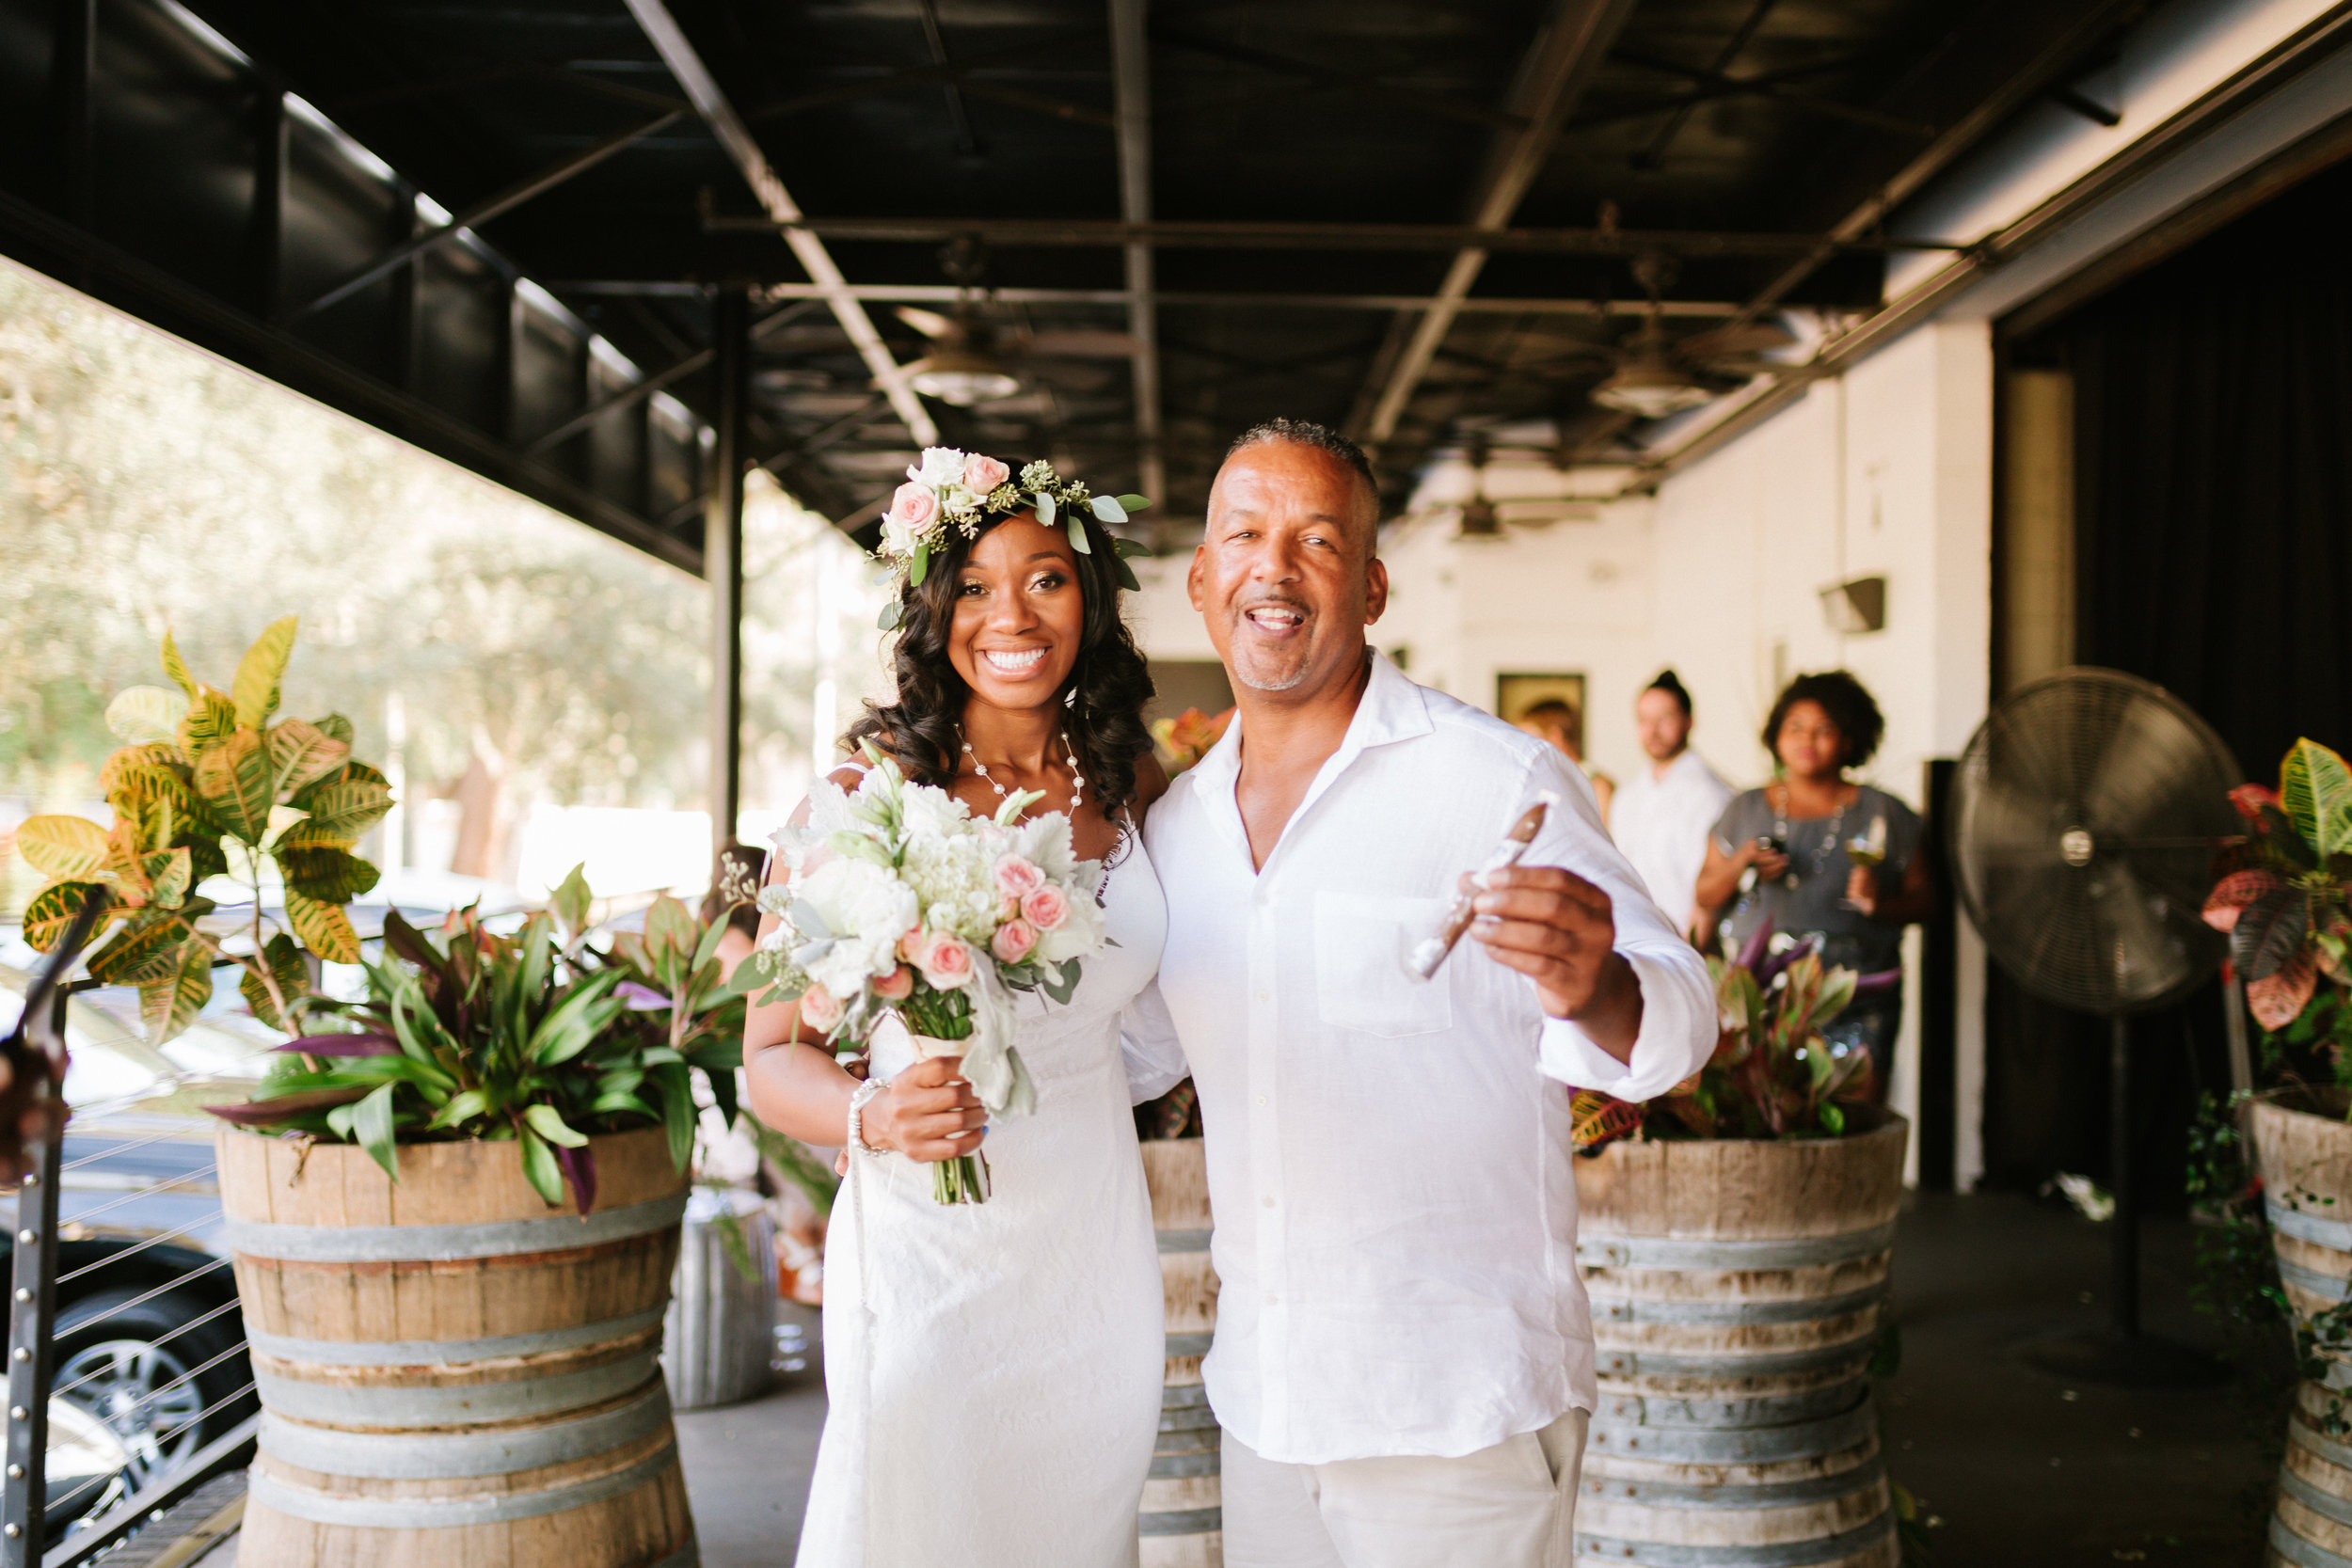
(922, 729)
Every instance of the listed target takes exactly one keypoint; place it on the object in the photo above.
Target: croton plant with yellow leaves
(210, 784)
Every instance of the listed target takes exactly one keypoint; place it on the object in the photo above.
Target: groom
(1404, 1359)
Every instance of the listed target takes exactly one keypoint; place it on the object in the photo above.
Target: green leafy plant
(2284, 895)
(208, 791)
(1772, 1075)
(538, 1037)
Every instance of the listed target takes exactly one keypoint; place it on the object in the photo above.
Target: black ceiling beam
(960, 74)
(668, 376)
(490, 207)
(182, 307)
(1102, 233)
(1714, 85)
(1655, 153)
(1391, 94)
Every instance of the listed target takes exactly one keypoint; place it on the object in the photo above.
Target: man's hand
(1558, 929)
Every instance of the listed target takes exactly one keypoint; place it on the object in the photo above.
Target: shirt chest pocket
(1361, 981)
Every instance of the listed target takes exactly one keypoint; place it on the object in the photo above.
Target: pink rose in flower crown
(1014, 941)
(1046, 908)
(913, 507)
(821, 1009)
(1017, 877)
(896, 985)
(946, 961)
(983, 474)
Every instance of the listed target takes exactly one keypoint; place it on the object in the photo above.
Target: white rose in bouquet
(865, 909)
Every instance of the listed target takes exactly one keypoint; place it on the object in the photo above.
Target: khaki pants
(1511, 1506)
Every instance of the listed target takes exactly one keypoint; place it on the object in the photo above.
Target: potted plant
(2285, 897)
(1735, 1236)
(211, 791)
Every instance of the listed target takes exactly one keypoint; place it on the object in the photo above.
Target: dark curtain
(2213, 412)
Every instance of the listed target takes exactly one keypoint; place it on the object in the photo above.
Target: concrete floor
(2022, 1469)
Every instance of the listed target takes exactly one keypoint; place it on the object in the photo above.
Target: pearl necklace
(1077, 780)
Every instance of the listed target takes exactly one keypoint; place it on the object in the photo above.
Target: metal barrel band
(2326, 1504)
(1737, 1446)
(1667, 1252)
(688, 1556)
(435, 1456)
(1183, 1240)
(449, 1243)
(2334, 1286)
(2308, 1227)
(1769, 1364)
(1761, 1410)
(1788, 1554)
(1780, 1494)
(1189, 1521)
(328, 1405)
(1194, 1418)
(1184, 1396)
(1734, 1314)
(410, 1513)
(2302, 1436)
(1189, 1344)
(1200, 1440)
(447, 1352)
(2302, 1553)
(1171, 1467)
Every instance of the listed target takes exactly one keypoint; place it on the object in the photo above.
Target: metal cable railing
(129, 1378)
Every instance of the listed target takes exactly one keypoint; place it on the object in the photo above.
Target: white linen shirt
(1389, 1158)
(1662, 824)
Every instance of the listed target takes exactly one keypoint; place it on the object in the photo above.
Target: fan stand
(2119, 1356)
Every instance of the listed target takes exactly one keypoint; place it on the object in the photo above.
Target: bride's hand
(928, 1113)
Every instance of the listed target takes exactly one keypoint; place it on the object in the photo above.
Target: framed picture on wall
(1518, 695)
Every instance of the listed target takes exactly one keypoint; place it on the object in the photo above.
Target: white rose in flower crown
(940, 467)
(867, 910)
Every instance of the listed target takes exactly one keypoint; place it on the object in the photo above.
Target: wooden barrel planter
(2305, 1158)
(1736, 1293)
(1182, 1522)
(448, 1370)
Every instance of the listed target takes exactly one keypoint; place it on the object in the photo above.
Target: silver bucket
(719, 1337)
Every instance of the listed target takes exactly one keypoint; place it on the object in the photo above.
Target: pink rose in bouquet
(946, 961)
(1014, 941)
(1017, 877)
(896, 985)
(1046, 908)
(821, 1009)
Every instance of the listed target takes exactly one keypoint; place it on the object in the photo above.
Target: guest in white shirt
(1404, 1358)
(1666, 812)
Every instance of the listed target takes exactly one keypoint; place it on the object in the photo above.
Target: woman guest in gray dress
(1818, 855)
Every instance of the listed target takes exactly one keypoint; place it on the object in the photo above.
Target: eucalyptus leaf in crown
(951, 489)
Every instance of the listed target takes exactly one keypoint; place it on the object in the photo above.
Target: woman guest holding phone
(1831, 858)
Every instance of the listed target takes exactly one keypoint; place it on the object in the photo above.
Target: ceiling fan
(973, 360)
(1656, 376)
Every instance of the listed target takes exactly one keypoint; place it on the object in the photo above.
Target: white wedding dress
(993, 1370)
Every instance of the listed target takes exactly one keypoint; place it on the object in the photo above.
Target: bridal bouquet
(903, 904)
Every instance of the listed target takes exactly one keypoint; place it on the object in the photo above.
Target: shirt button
(1267, 1200)
(1273, 1300)
(1262, 996)
(1262, 1100)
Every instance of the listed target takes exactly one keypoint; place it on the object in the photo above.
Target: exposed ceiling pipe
(1131, 68)
(1552, 79)
(670, 40)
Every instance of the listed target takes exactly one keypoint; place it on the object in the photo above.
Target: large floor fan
(2084, 819)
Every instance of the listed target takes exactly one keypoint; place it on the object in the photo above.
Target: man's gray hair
(1306, 433)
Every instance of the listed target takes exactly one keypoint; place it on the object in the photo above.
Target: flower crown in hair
(953, 489)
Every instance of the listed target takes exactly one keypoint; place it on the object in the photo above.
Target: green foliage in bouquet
(2285, 897)
(208, 787)
(535, 1038)
(1772, 1075)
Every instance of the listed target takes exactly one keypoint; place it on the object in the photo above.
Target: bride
(993, 1369)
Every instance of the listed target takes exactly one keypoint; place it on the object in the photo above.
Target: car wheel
(164, 1382)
